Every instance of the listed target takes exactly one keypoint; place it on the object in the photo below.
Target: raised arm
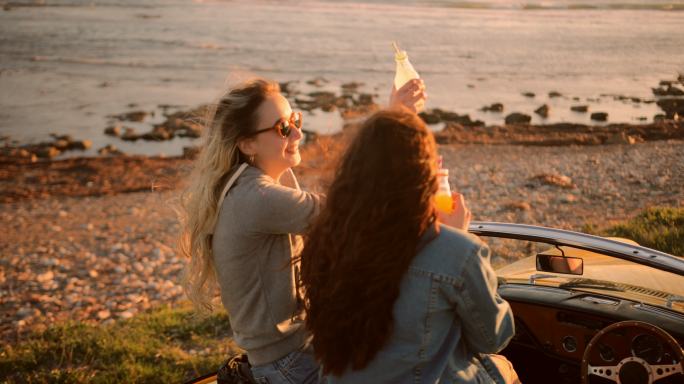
(279, 209)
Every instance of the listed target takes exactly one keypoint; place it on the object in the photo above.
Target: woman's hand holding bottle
(411, 95)
(460, 214)
(408, 90)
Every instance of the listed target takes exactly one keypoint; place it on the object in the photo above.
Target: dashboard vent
(659, 310)
(642, 290)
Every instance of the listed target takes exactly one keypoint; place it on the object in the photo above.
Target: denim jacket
(447, 318)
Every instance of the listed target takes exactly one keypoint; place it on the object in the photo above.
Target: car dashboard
(554, 326)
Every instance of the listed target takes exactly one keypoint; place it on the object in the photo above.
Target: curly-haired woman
(393, 295)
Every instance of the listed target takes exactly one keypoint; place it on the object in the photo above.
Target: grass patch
(164, 345)
(660, 228)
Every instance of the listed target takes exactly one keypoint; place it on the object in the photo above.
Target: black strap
(235, 370)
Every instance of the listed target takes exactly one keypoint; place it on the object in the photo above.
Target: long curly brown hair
(360, 246)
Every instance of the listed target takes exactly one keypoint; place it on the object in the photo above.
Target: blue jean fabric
(448, 319)
(296, 367)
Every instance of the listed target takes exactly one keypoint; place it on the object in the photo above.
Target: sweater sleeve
(277, 209)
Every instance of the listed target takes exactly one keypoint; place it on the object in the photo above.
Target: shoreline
(330, 107)
(24, 177)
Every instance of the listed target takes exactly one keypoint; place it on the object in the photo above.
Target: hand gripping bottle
(443, 199)
(404, 72)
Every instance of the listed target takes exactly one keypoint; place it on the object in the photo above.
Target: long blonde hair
(229, 120)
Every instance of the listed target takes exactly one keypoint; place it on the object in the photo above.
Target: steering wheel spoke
(609, 372)
(660, 371)
(633, 367)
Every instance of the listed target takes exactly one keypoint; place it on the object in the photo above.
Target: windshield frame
(634, 253)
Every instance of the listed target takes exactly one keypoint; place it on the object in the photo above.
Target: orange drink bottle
(443, 199)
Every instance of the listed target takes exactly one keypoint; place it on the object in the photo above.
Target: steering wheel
(631, 369)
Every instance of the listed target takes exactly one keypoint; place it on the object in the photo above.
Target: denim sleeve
(486, 318)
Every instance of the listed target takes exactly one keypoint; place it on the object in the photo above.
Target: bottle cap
(398, 53)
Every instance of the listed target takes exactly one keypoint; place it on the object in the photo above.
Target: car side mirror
(560, 264)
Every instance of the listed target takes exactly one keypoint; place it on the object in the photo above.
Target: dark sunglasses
(283, 126)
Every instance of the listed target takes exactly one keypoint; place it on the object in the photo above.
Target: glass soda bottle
(443, 199)
(404, 72)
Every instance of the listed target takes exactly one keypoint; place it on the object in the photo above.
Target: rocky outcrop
(580, 108)
(599, 116)
(518, 118)
(495, 107)
(542, 111)
(437, 115)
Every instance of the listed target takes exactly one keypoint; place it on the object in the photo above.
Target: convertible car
(587, 309)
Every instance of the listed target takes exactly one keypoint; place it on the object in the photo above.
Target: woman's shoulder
(255, 191)
(249, 181)
(242, 193)
(458, 238)
(447, 239)
(449, 250)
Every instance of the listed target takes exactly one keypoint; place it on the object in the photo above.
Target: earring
(251, 159)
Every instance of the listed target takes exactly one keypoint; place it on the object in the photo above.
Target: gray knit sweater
(256, 235)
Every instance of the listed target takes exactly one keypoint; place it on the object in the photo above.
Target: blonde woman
(242, 213)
